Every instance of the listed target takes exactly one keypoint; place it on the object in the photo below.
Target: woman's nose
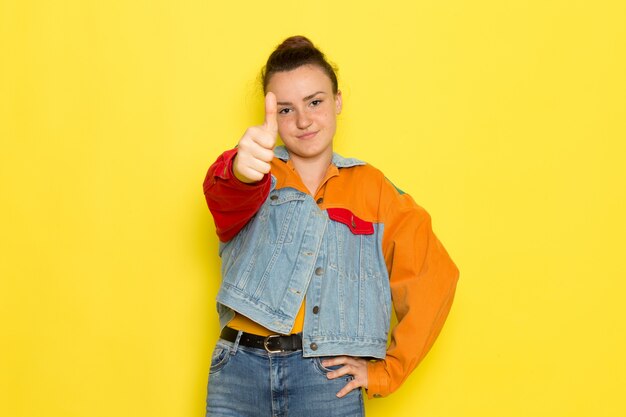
(303, 121)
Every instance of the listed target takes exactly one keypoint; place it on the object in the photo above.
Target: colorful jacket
(351, 249)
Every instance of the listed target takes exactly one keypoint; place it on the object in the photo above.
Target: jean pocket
(317, 362)
(219, 358)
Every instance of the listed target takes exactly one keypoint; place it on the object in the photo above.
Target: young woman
(314, 249)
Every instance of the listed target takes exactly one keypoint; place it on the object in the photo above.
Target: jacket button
(319, 270)
(313, 346)
(320, 200)
(316, 310)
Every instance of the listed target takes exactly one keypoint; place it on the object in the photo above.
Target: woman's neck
(312, 171)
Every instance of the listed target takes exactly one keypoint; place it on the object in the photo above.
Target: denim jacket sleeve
(232, 202)
(422, 280)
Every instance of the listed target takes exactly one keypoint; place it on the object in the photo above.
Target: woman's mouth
(307, 135)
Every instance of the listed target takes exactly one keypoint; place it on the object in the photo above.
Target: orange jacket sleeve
(423, 281)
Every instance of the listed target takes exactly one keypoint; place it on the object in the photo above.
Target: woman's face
(307, 111)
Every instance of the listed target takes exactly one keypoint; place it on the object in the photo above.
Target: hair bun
(294, 52)
(295, 42)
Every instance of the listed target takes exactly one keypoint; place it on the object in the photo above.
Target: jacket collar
(339, 161)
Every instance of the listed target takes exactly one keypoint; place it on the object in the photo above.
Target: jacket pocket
(353, 245)
(355, 224)
(283, 212)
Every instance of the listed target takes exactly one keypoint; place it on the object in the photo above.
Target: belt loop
(235, 346)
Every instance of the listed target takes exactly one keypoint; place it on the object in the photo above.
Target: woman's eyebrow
(288, 103)
(307, 98)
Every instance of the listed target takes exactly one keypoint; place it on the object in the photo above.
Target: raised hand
(256, 146)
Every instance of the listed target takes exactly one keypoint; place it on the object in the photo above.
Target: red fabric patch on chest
(356, 225)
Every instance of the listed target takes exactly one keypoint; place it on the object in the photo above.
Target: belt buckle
(266, 341)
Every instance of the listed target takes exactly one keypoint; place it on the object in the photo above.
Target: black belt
(273, 343)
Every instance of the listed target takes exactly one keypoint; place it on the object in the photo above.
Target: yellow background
(505, 119)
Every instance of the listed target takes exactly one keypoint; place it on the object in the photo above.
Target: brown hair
(293, 53)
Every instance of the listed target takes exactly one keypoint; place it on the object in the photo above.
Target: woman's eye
(284, 111)
(316, 103)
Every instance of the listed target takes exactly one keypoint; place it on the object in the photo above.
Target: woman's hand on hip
(357, 367)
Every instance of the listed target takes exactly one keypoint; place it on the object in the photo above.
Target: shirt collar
(339, 161)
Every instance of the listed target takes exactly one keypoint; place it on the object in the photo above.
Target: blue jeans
(246, 381)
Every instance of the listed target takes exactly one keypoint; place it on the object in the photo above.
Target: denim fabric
(292, 249)
(249, 382)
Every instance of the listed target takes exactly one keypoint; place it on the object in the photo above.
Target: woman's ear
(338, 102)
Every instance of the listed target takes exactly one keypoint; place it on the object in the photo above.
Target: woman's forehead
(299, 83)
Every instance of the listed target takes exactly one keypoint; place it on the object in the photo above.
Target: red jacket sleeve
(232, 202)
